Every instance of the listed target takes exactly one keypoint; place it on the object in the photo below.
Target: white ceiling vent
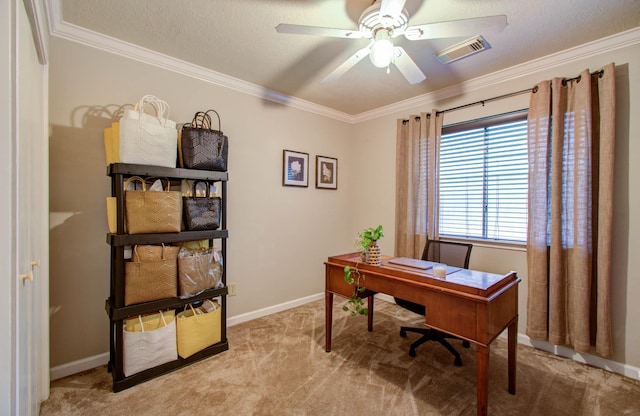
(463, 49)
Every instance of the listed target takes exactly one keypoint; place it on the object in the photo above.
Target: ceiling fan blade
(407, 66)
(391, 8)
(346, 65)
(457, 28)
(318, 31)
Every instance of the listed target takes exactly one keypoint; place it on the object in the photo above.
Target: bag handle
(137, 259)
(161, 107)
(201, 120)
(135, 179)
(195, 311)
(141, 324)
(195, 184)
(135, 253)
(219, 122)
(163, 320)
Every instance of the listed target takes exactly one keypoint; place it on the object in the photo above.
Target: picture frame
(326, 172)
(295, 168)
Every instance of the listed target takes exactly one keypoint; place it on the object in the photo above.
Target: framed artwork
(326, 172)
(295, 168)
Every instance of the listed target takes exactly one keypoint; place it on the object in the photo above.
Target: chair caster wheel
(457, 362)
(466, 344)
(403, 333)
(412, 353)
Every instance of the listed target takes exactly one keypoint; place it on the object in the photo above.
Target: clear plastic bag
(198, 270)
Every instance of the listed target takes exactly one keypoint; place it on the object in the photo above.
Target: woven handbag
(148, 212)
(197, 329)
(198, 270)
(201, 213)
(148, 341)
(154, 278)
(202, 147)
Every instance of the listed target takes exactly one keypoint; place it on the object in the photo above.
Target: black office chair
(451, 254)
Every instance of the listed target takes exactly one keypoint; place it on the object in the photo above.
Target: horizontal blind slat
(484, 182)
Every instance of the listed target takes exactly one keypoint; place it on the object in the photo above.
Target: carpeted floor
(277, 365)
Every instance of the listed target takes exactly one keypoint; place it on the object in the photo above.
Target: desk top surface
(471, 281)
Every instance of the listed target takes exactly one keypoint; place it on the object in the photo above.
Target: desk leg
(370, 314)
(482, 378)
(511, 354)
(328, 316)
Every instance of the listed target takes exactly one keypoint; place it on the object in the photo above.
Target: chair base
(429, 334)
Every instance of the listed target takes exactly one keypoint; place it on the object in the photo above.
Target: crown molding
(77, 34)
(618, 41)
(68, 31)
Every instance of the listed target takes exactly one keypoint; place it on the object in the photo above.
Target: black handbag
(201, 147)
(201, 213)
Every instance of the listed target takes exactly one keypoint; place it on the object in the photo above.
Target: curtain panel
(571, 147)
(417, 154)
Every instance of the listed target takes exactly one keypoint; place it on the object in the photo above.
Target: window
(483, 179)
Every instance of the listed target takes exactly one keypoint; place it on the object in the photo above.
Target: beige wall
(279, 236)
(270, 224)
(374, 172)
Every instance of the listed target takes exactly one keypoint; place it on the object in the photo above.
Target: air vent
(463, 49)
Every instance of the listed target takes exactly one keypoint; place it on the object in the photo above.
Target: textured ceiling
(237, 38)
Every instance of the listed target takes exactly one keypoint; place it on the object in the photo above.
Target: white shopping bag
(147, 136)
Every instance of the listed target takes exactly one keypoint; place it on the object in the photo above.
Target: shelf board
(117, 314)
(120, 384)
(160, 171)
(132, 239)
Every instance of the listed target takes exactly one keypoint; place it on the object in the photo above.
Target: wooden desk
(469, 304)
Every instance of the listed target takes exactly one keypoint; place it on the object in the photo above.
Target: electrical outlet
(232, 289)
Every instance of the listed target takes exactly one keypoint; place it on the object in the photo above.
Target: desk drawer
(452, 314)
(335, 282)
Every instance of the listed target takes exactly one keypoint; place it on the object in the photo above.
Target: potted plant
(367, 244)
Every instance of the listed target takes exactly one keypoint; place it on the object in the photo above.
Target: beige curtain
(417, 160)
(571, 147)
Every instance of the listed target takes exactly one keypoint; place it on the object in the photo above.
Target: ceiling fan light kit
(387, 19)
(382, 49)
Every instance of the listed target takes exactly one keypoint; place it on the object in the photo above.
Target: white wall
(374, 172)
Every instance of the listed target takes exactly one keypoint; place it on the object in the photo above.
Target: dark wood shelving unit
(114, 305)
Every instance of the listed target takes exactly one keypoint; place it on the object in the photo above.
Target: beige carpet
(277, 366)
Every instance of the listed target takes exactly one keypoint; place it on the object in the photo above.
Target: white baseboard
(238, 319)
(592, 360)
(79, 366)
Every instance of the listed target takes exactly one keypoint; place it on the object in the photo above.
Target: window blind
(483, 180)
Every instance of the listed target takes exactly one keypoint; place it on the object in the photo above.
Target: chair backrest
(449, 253)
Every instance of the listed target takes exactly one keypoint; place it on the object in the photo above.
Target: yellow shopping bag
(198, 329)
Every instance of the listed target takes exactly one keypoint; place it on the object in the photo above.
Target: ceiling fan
(385, 20)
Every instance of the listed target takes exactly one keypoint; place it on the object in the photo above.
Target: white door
(28, 213)
(7, 262)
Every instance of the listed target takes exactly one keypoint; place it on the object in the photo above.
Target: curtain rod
(488, 100)
(512, 94)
